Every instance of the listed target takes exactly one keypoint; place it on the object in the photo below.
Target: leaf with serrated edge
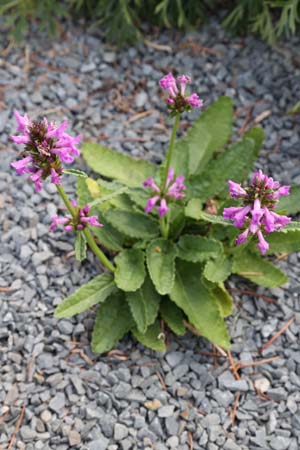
(144, 304)
(199, 303)
(224, 299)
(257, 269)
(209, 133)
(130, 269)
(91, 293)
(80, 247)
(112, 164)
(284, 241)
(173, 316)
(160, 257)
(132, 223)
(198, 248)
(152, 338)
(290, 204)
(113, 320)
(218, 270)
(75, 172)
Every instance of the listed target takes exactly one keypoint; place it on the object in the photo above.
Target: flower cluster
(178, 101)
(173, 189)
(257, 215)
(46, 147)
(78, 222)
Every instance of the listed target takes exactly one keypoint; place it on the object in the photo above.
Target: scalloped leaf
(160, 257)
(218, 270)
(132, 223)
(291, 203)
(209, 133)
(199, 304)
(198, 248)
(173, 316)
(284, 241)
(114, 165)
(130, 269)
(152, 338)
(89, 294)
(144, 305)
(257, 269)
(233, 164)
(80, 246)
(113, 320)
(224, 299)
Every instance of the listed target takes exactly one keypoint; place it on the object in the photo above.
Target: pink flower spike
(183, 80)
(37, 179)
(80, 226)
(256, 213)
(194, 101)
(283, 190)
(151, 183)
(20, 139)
(168, 83)
(94, 221)
(242, 238)
(170, 177)
(236, 190)
(151, 202)
(69, 227)
(21, 166)
(163, 208)
(23, 122)
(237, 214)
(262, 245)
(74, 203)
(55, 178)
(280, 221)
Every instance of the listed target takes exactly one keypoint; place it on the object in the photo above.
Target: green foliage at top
(122, 20)
(174, 270)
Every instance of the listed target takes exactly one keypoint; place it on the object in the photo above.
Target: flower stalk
(89, 238)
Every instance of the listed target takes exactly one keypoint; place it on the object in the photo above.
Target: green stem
(164, 227)
(170, 152)
(89, 238)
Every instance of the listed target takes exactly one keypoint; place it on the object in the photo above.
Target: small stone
(46, 416)
(173, 442)
(12, 395)
(227, 381)
(100, 444)
(262, 384)
(57, 402)
(166, 411)
(120, 432)
(65, 327)
(140, 99)
(27, 433)
(109, 57)
(86, 68)
(78, 385)
(277, 394)
(74, 438)
(153, 405)
(279, 443)
(231, 445)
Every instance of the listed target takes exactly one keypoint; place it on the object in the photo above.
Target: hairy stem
(170, 152)
(89, 238)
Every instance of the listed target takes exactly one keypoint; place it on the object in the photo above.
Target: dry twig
(276, 335)
(18, 425)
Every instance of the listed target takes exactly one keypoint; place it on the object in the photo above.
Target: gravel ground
(54, 391)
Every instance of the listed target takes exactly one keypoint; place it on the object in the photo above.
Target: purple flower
(256, 214)
(79, 222)
(174, 188)
(47, 145)
(178, 101)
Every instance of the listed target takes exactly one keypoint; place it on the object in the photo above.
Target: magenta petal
(262, 245)
(151, 202)
(242, 238)
(163, 208)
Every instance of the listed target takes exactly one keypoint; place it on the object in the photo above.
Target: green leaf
(130, 269)
(292, 226)
(107, 198)
(257, 269)
(199, 303)
(233, 164)
(195, 211)
(218, 270)
(161, 255)
(117, 166)
(80, 246)
(198, 248)
(284, 241)
(83, 194)
(75, 172)
(108, 236)
(176, 220)
(152, 338)
(144, 304)
(224, 299)
(91, 293)
(209, 133)
(113, 320)
(133, 224)
(291, 203)
(173, 316)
